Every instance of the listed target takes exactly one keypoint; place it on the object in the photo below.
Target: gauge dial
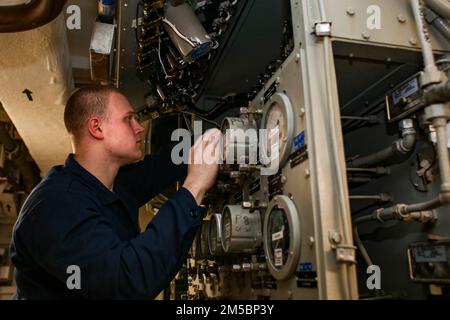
(276, 126)
(282, 237)
(278, 228)
(241, 230)
(240, 146)
(278, 120)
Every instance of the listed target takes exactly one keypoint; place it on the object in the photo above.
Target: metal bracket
(345, 254)
(322, 29)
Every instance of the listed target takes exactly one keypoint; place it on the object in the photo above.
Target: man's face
(122, 132)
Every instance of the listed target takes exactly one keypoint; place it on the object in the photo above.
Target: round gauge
(215, 235)
(241, 230)
(240, 143)
(278, 120)
(282, 237)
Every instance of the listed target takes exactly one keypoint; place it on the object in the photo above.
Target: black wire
(202, 118)
(218, 108)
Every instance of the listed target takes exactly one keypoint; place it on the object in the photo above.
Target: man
(82, 219)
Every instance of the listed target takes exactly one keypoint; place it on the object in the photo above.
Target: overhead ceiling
(45, 61)
(37, 61)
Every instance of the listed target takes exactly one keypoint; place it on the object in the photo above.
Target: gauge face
(278, 120)
(278, 228)
(276, 129)
(282, 237)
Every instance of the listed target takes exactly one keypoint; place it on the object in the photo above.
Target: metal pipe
(401, 147)
(353, 179)
(439, 93)
(385, 214)
(378, 197)
(378, 170)
(442, 7)
(428, 205)
(440, 124)
(431, 72)
(427, 51)
(443, 26)
(438, 22)
(370, 119)
(361, 247)
(30, 15)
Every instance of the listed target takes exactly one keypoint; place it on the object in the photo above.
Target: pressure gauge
(282, 237)
(240, 144)
(241, 230)
(215, 235)
(278, 116)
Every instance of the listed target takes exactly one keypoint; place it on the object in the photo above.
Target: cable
(159, 56)
(202, 118)
(182, 36)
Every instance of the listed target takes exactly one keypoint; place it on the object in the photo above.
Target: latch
(344, 253)
(322, 29)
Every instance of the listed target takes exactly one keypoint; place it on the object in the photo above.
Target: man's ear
(94, 128)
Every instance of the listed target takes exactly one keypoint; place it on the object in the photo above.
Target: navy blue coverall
(71, 218)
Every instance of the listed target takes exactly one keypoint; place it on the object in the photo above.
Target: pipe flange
(441, 110)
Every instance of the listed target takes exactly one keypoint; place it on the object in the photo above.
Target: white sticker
(278, 254)
(430, 254)
(278, 235)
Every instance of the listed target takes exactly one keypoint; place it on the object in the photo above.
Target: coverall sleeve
(147, 178)
(110, 268)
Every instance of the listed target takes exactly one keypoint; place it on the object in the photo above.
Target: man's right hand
(203, 166)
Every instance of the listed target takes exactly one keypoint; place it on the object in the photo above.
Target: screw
(366, 35)
(401, 18)
(413, 41)
(351, 11)
(302, 112)
(297, 57)
(311, 240)
(335, 237)
(307, 173)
